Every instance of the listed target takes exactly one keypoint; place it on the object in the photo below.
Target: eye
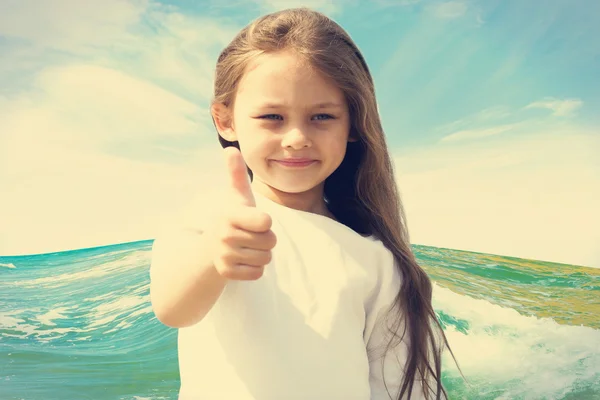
(322, 117)
(271, 116)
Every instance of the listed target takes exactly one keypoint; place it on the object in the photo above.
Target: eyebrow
(328, 104)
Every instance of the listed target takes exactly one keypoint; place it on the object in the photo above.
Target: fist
(243, 238)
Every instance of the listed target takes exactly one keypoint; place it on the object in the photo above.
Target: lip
(295, 162)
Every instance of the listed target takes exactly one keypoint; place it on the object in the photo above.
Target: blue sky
(490, 108)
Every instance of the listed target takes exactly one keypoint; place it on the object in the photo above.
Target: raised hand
(243, 238)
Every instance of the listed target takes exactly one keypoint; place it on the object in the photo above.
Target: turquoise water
(79, 325)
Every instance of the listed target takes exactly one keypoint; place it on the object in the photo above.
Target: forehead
(285, 78)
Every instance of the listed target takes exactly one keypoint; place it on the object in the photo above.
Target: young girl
(301, 284)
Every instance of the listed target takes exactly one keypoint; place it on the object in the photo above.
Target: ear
(223, 118)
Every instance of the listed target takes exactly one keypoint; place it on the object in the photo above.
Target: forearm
(184, 282)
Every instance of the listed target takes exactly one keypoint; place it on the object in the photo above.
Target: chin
(293, 188)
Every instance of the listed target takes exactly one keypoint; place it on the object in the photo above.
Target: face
(292, 124)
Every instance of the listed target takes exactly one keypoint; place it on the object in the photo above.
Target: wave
(521, 356)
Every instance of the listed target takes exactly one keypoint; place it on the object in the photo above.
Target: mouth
(295, 162)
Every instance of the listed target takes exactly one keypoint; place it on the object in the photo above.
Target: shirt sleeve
(386, 368)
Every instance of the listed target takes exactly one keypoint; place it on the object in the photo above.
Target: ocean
(79, 325)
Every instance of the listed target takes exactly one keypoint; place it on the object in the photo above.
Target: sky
(490, 108)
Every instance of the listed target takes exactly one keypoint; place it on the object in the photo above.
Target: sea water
(79, 325)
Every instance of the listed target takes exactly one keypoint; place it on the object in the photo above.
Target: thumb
(238, 177)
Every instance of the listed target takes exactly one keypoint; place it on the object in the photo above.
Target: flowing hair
(362, 192)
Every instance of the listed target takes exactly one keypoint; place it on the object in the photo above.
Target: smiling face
(292, 125)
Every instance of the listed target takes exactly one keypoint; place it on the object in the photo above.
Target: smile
(295, 163)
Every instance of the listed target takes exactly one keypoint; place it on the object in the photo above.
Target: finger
(232, 256)
(252, 257)
(250, 219)
(243, 273)
(238, 177)
(250, 240)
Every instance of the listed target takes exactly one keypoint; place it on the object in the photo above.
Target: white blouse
(312, 327)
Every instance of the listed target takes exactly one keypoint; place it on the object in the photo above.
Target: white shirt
(311, 327)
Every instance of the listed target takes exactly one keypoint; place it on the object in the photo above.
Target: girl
(301, 284)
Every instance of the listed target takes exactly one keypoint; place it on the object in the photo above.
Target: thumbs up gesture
(243, 238)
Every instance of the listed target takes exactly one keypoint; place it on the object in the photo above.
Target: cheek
(337, 142)
(242, 132)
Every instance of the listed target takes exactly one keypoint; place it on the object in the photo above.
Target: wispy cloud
(479, 20)
(442, 9)
(149, 40)
(477, 133)
(485, 116)
(501, 119)
(499, 175)
(69, 24)
(325, 6)
(101, 103)
(104, 128)
(58, 197)
(532, 196)
(559, 108)
(98, 157)
(389, 3)
(448, 9)
(106, 115)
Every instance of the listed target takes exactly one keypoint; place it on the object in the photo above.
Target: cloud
(72, 198)
(559, 108)
(501, 119)
(94, 156)
(104, 134)
(103, 103)
(485, 116)
(479, 20)
(532, 196)
(179, 51)
(107, 134)
(477, 133)
(151, 41)
(69, 24)
(325, 6)
(389, 3)
(448, 10)
(503, 182)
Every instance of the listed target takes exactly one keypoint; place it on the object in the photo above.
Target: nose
(295, 138)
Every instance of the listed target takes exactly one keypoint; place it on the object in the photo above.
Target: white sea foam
(55, 313)
(120, 325)
(107, 312)
(523, 355)
(142, 311)
(101, 297)
(134, 260)
(8, 319)
(43, 330)
(112, 253)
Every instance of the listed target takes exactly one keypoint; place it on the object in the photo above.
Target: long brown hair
(362, 192)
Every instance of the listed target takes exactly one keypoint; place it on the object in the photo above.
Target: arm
(184, 284)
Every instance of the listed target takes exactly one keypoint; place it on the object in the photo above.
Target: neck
(311, 201)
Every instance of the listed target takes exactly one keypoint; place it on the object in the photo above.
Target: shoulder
(386, 277)
(386, 263)
(377, 258)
